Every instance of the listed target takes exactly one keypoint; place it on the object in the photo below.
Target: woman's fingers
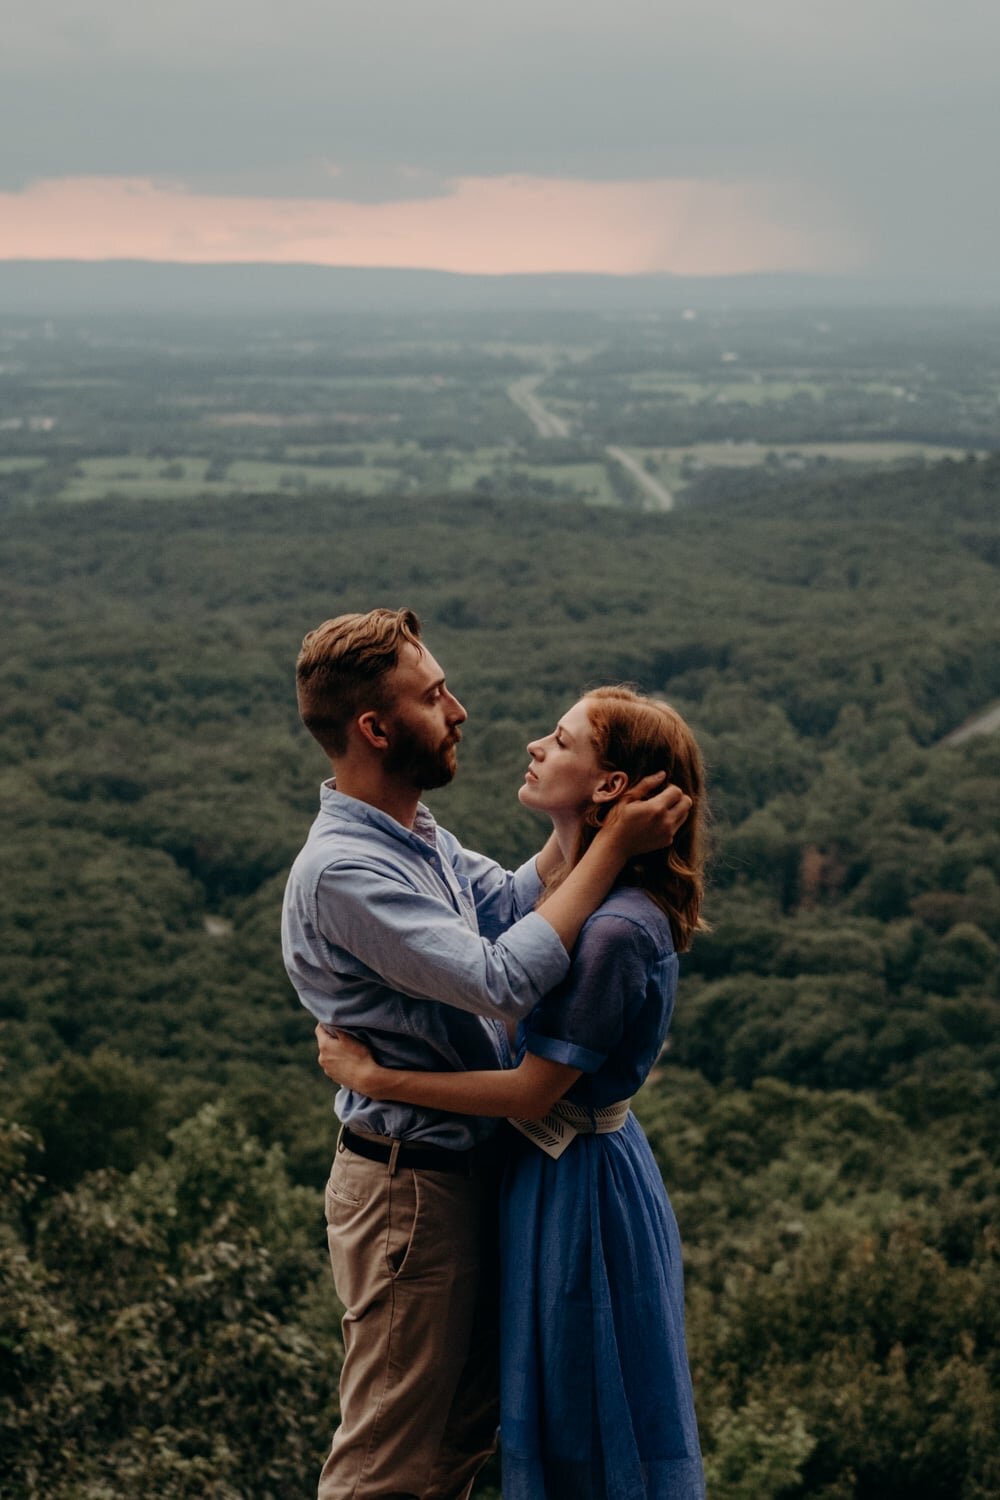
(338, 1051)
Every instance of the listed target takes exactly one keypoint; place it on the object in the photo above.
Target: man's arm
(366, 923)
(375, 926)
(502, 896)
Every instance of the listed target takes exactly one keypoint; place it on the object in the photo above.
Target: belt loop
(393, 1155)
(340, 1140)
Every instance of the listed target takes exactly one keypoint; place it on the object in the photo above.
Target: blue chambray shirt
(418, 947)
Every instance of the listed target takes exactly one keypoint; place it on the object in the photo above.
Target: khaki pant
(414, 1263)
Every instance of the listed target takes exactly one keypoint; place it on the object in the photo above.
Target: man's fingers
(666, 798)
(676, 815)
(646, 787)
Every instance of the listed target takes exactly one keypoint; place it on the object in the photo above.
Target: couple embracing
(452, 995)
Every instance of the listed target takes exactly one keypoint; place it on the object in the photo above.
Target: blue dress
(596, 1400)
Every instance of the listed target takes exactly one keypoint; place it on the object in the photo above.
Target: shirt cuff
(555, 1049)
(539, 953)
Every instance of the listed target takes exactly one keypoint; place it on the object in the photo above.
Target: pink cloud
(499, 225)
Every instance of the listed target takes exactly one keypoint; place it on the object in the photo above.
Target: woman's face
(564, 772)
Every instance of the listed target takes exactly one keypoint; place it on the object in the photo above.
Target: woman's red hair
(640, 735)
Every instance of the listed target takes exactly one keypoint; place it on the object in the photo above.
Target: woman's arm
(644, 820)
(526, 1092)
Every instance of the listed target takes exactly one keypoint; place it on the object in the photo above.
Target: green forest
(825, 1115)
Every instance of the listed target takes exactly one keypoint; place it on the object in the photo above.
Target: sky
(700, 137)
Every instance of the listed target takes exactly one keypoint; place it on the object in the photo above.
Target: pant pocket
(402, 1221)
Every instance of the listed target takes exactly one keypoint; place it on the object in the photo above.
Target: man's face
(422, 722)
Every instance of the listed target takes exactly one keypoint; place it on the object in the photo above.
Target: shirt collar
(353, 810)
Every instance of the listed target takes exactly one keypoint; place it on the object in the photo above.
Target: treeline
(921, 412)
(825, 1118)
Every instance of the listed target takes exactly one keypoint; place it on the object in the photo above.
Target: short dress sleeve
(583, 1019)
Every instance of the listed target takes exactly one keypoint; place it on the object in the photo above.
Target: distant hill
(68, 288)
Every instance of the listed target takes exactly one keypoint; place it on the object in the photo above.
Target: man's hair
(342, 670)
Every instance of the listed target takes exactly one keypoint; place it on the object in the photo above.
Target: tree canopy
(825, 1117)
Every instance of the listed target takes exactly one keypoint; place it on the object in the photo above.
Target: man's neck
(385, 793)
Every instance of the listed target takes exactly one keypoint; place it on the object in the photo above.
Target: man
(424, 950)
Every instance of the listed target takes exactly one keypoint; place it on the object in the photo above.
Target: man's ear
(611, 786)
(372, 730)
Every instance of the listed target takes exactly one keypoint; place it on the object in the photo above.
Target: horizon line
(769, 274)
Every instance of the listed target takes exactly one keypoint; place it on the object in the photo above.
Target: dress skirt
(596, 1400)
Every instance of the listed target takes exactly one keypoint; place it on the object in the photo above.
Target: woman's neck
(567, 830)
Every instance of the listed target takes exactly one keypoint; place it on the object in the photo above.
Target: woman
(596, 1399)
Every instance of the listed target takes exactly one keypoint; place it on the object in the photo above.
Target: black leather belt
(420, 1158)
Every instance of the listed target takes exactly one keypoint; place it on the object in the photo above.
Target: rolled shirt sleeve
(416, 946)
(500, 898)
(378, 927)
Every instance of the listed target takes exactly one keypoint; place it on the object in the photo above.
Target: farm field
(92, 409)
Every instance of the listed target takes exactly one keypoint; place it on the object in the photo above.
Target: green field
(12, 465)
(422, 407)
(184, 478)
(675, 467)
(388, 468)
(589, 480)
(752, 391)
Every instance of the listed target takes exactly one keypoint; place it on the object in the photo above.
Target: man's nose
(457, 714)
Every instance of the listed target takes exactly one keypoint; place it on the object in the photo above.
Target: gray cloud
(887, 106)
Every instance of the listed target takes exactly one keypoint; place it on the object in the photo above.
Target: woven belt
(592, 1121)
(419, 1158)
(564, 1121)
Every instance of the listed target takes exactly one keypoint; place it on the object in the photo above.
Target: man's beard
(428, 765)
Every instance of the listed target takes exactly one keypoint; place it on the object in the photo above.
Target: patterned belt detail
(565, 1121)
(593, 1121)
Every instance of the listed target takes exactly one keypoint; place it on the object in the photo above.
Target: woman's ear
(610, 786)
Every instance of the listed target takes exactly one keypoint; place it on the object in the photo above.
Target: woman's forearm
(634, 826)
(583, 890)
(526, 1091)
